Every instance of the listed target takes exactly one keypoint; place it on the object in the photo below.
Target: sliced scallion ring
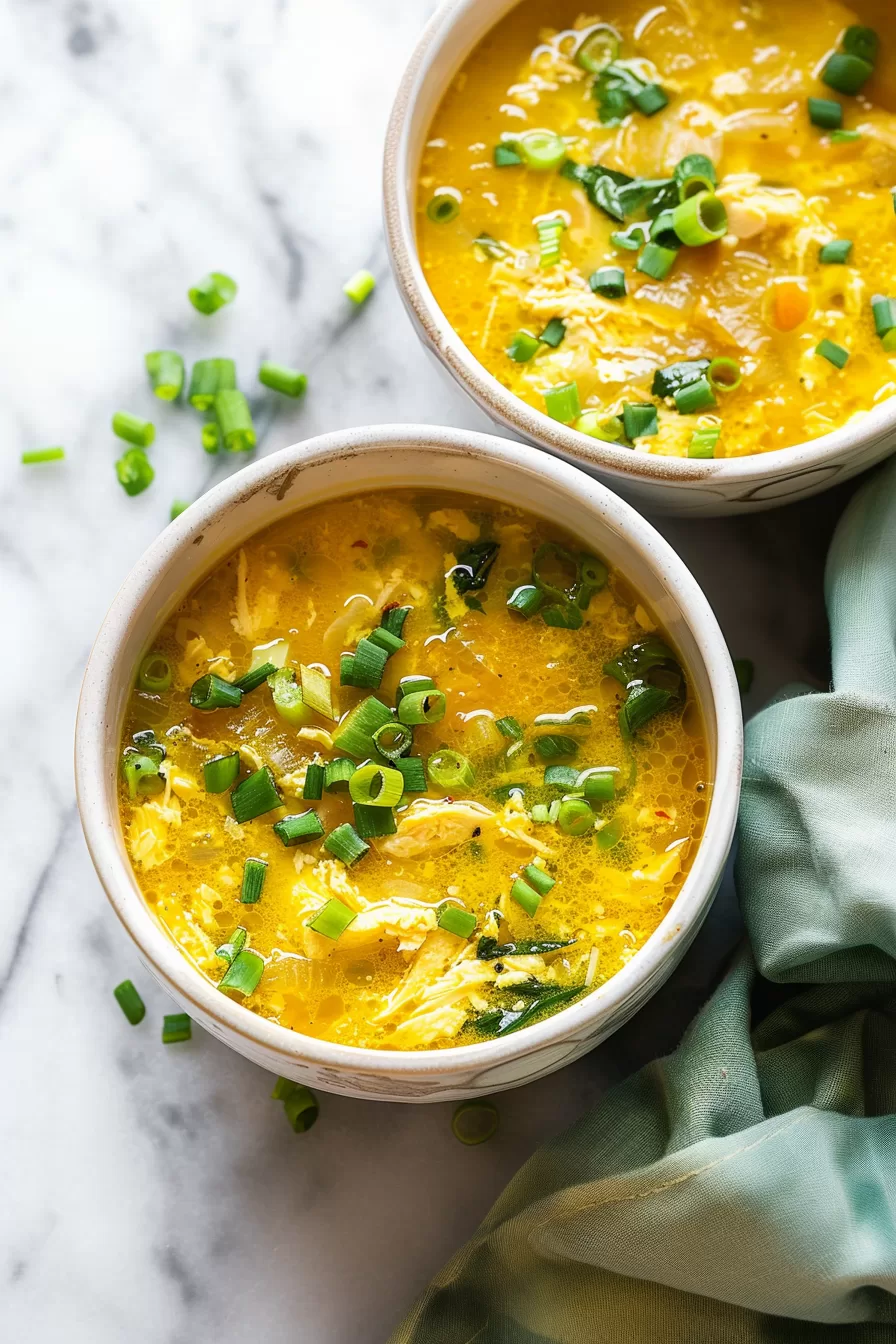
(598, 48)
(155, 674)
(393, 740)
(724, 374)
(700, 219)
(474, 1122)
(541, 150)
(376, 786)
(444, 206)
(450, 769)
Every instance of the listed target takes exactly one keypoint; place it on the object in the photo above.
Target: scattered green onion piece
(208, 377)
(608, 836)
(525, 896)
(135, 472)
(593, 575)
(884, 312)
(234, 945)
(392, 740)
(178, 506)
(644, 703)
(563, 616)
(656, 261)
(376, 785)
(578, 718)
(506, 156)
(36, 455)
(221, 772)
(651, 99)
(415, 682)
(354, 735)
(554, 810)
(252, 679)
(450, 770)
(130, 1002)
(639, 421)
(539, 879)
(703, 442)
(541, 150)
(443, 207)
(367, 666)
(632, 238)
(456, 921)
(835, 253)
(539, 813)
(553, 333)
(302, 1108)
(523, 345)
(280, 378)
(254, 873)
(562, 403)
(299, 828)
(315, 777)
(553, 745)
(744, 671)
(346, 669)
(598, 48)
(145, 740)
(235, 421)
(608, 281)
(372, 822)
(599, 426)
(337, 774)
(346, 844)
(846, 73)
(393, 620)
(561, 776)
(723, 374)
(211, 437)
(599, 786)
(841, 137)
(422, 707)
(834, 354)
(694, 397)
(212, 292)
(509, 727)
(255, 796)
(386, 640)
(332, 920)
(825, 113)
(861, 41)
(176, 1027)
(288, 699)
(549, 231)
(317, 691)
(695, 173)
(575, 816)
(282, 1089)
(155, 674)
(244, 973)
(166, 373)
(700, 219)
(527, 600)
(413, 772)
(132, 429)
(666, 382)
(141, 773)
(213, 692)
(360, 286)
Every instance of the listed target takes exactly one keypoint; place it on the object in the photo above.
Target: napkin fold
(744, 1188)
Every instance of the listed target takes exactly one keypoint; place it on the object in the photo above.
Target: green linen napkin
(744, 1188)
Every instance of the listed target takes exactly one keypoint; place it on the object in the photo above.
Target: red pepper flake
(664, 815)
(362, 544)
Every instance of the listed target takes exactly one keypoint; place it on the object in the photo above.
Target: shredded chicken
(430, 826)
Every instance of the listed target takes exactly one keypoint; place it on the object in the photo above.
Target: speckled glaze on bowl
(656, 484)
(326, 468)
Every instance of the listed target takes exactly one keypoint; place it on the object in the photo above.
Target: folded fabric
(744, 1189)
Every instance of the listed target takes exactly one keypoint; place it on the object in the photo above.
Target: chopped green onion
(554, 811)
(337, 774)
(413, 772)
(703, 442)
(561, 776)
(35, 455)
(221, 772)
(393, 740)
(213, 692)
(593, 575)
(744, 671)
(700, 219)
(416, 682)
(212, 292)
(608, 281)
(388, 641)
(549, 232)
(541, 150)
(178, 506)
(575, 816)
(244, 973)
(835, 354)
(234, 945)
(525, 896)
(450, 770)
(598, 48)
(527, 600)
(825, 113)
(599, 426)
(166, 373)
(135, 472)
(354, 735)
(208, 377)
(456, 921)
(145, 740)
(313, 788)
(376, 785)
(860, 41)
(282, 1089)
(288, 699)
(252, 679)
(372, 822)
(539, 879)
(444, 206)
(539, 813)
(639, 421)
(211, 437)
(132, 429)
(130, 1002)
(599, 785)
(723, 374)
(317, 691)
(505, 156)
(473, 564)
(254, 873)
(884, 313)
(300, 1104)
(553, 745)
(562, 403)
(299, 828)
(235, 421)
(332, 919)
(176, 1027)
(608, 836)
(563, 616)
(523, 345)
(359, 286)
(656, 261)
(346, 844)
(650, 99)
(393, 620)
(573, 718)
(841, 137)
(695, 173)
(694, 397)
(280, 378)
(140, 772)
(666, 382)
(509, 727)
(367, 665)
(846, 73)
(155, 674)
(630, 239)
(835, 253)
(644, 703)
(346, 669)
(422, 707)
(554, 332)
(256, 795)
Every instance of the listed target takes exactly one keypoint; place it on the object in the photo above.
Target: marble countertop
(156, 1195)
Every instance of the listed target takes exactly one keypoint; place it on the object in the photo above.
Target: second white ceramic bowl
(382, 458)
(657, 484)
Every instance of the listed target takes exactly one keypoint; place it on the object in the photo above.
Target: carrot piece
(790, 305)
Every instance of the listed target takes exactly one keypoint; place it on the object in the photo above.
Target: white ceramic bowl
(347, 463)
(658, 484)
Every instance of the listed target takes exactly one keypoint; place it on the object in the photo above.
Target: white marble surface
(152, 1194)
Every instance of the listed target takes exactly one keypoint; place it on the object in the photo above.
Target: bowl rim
(511, 411)
(274, 475)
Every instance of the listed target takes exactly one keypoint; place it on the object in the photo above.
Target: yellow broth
(738, 77)
(394, 979)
